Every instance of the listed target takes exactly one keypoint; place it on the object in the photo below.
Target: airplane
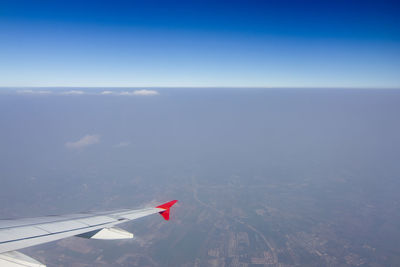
(21, 233)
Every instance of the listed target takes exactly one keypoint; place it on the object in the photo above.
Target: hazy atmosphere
(271, 176)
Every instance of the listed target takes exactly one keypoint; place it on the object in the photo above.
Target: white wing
(21, 233)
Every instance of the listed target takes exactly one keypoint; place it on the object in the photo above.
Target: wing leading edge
(21, 233)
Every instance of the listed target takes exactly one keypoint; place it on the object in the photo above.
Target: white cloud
(73, 92)
(145, 92)
(37, 92)
(107, 93)
(122, 144)
(85, 141)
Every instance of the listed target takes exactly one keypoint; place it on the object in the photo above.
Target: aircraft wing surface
(22, 233)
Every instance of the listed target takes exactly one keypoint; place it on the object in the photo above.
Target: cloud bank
(85, 141)
(107, 93)
(35, 92)
(73, 92)
(140, 92)
(143, 92)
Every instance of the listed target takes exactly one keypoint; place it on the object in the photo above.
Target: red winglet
(166, 206)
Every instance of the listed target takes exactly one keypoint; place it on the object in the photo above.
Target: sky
(200, 43)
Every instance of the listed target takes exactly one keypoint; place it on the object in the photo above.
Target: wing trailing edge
(17, 259)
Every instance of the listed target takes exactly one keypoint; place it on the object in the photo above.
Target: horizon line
(202, 87)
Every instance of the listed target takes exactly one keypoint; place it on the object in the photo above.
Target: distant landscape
(264, 177)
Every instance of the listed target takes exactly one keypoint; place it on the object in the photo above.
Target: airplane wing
(22, 233)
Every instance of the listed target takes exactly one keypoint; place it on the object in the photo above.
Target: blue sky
(200, 43)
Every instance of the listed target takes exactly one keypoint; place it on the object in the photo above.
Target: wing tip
(166, 206)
